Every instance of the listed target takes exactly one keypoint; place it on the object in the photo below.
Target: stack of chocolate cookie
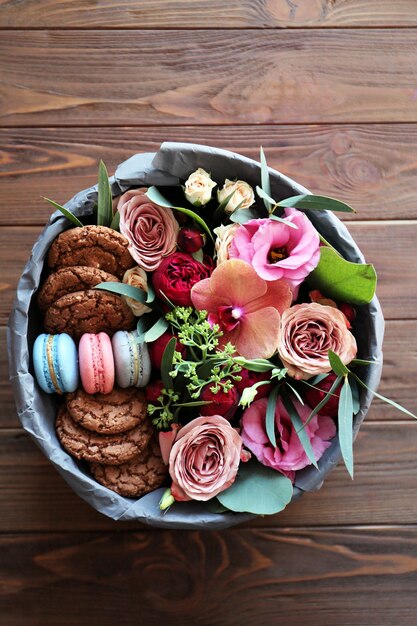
(114, 435)
(80, 259)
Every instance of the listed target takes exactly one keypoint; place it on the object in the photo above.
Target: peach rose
(243, 196)
(308, 332)
(151, 230)
(224, 238)
(136, 277)
(204, 458)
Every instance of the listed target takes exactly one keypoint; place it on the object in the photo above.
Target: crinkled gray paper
(36, 410)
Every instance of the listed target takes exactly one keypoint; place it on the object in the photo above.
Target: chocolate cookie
(95, 246)
(111, 413)
(90, 311)
(69, 279)
(136, 478)
(106, 449)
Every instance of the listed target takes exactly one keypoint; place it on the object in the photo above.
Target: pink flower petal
(259, 334)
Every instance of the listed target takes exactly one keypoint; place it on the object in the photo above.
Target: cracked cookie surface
(95, 246)
(89, 311)
(105, 449)
(138, 477)
(69, 279)
(111, 413)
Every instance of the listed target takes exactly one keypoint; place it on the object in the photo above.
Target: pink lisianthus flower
(277, 251)
(245, 306)
(204, 458)
(289, 455)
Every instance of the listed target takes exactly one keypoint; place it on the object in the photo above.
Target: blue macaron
(131, 360)
(55, 360)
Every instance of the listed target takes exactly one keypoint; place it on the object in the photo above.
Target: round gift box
(36, 410)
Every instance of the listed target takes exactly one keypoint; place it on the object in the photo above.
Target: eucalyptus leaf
(270, 416)
(338, 366)
(326, 398)
(144, 323)
(265, 181)
(155, 196)
(316, 203)
(345, 418)
(104, 200)
(156, 330)
(257, 489)
(262, 194)
(166, 363)
(241, 216)
(317, 379)
(198, 255)
(355, 396)
(214, 506)
(255, 365)
(383, 398)
(363, 362)
(70, 216)
(115, 223)
(122, 289)
(342, 280)
(151, 294)
(298, 424)
(193, 403)
(283, 221)
(295, 392)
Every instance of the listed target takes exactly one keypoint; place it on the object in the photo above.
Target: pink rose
(308, 332)
(289, 454)
(151, 230)
(204, 458)
(277, 251)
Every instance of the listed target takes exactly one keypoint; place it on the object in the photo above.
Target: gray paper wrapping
(36, 410)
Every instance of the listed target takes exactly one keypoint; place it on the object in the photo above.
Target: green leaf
(193, 403)
(214, 506)
(242, 216)
(345, 415)
(383, 398)
(270, 416)
(338, 366)
(317, 379)
(151, 294)
(362, 362)
(316, 203)
(122, 289)
(299, 428)
(166, 363)
(156, 330)
(255, 365)
(143, 325)
(295, 392)
(115, 223)
(355, 396)
(257, 489)
(326, 398)
(198, 255)
(265, 182)
(283, 221)
(70, 216)
(342, 280)
(155, 196)
(262, 194)
(104, 200)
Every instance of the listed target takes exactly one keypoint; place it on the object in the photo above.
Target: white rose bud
(225, 235)
(198, 187)
(136, 277)
(243, 196)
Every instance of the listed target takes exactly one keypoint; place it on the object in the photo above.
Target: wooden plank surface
(373, 167)
(33, 497)
(199, 76)
(202, 14)
(320, 577)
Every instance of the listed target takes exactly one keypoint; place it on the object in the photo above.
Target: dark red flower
(348, 311)
(176, 276)
(223, 404)
(314, 396)
(153, 391)
(190, 239)
(157, 348)
(250, 378)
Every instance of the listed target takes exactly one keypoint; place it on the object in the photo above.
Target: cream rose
(243, 196)
(308, 332)
(198, 187)
(224, 238)
(136, 277)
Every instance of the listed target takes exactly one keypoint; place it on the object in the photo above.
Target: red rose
(157, 348)
(190, 239)
(250, 378)
(314, 396)
(224, 404)
(176, 276)
(153, 390)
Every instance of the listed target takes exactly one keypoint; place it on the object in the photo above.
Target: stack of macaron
(88, 338)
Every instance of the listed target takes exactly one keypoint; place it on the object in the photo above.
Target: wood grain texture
(372, 167)
(320, 577)
(395, 265)
(203, 14)
(205, 77)
(33, 497)
(398, 377)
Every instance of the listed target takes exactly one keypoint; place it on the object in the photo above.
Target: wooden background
(329, 88)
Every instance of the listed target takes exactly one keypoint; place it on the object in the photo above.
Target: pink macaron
(96, 361)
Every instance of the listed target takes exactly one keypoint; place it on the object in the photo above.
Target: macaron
(95, 354)
(131, 360)
(55, 361)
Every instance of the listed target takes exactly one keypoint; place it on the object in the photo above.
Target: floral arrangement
(249, 317)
